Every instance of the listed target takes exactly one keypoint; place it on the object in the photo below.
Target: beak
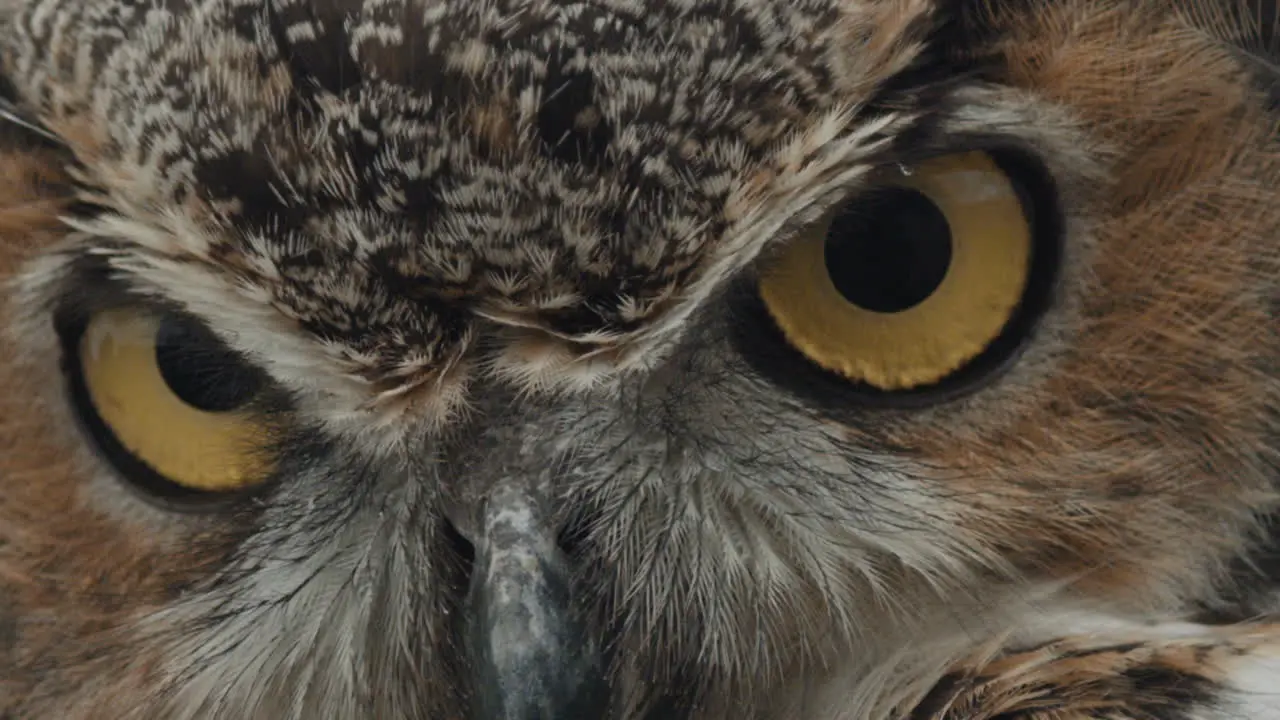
(531, 656)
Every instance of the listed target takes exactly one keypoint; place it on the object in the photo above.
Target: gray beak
(531, 658)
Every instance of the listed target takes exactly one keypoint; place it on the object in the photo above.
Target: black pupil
(890, 251)
(200, 370)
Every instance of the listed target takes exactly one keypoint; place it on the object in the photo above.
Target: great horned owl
(640, 359)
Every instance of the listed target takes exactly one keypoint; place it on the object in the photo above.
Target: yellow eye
(166, 400)
(908, 284)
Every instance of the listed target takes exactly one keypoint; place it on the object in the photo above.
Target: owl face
(669, 359)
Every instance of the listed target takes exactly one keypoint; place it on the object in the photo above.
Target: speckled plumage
(390, 172)
(501, 249)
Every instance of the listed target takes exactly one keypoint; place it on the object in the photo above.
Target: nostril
(573, 535)
(461, 549)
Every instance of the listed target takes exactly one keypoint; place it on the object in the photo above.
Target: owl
(640, 359)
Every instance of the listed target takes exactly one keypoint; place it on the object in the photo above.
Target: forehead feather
(388, 168)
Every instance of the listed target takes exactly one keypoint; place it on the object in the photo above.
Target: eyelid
(764, 347)
(130, 457)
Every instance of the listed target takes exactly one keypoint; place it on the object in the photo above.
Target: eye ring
(779, 355)
(182, 442)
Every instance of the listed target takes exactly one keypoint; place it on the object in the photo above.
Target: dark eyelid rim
(768, 352)
(89, 288)
(1022, 152)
